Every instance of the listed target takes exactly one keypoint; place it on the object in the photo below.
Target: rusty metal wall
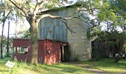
(53, 29)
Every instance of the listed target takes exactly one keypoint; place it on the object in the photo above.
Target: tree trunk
(34, 41)
(2, 35)
(16, 32)
(2, 43)
(8, 39)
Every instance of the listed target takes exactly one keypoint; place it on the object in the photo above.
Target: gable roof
(72, 5)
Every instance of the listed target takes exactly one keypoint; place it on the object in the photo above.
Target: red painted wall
(21, 42)
(52, 52)
(48, 50)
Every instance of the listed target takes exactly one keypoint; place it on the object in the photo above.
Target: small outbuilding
(49, 52)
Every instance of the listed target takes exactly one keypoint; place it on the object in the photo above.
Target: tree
(5, 11)
(119, 7)
(110, 12)
(8, 39)
(32, 10)
(4, 20)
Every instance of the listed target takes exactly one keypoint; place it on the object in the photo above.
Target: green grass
(23, 68)
(108, 65)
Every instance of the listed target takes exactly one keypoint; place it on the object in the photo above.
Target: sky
(21, 26)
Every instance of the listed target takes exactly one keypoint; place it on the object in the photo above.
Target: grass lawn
(23, 68)
(107, 65)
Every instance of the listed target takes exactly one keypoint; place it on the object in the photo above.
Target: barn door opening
(65, 53)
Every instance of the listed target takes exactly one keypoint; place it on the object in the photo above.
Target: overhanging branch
(18, 7)
(67, 26)
(7, 15)
(53, 17)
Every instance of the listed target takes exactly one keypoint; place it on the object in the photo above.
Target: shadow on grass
(109, 65)
(65, 68)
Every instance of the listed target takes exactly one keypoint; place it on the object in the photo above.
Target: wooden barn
(49, 52)
(54, 37)
(76, 35)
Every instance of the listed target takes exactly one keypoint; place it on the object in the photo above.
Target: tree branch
(7, 16)
(53, 17)
(67, 26)
(37, 6)
(18, 7)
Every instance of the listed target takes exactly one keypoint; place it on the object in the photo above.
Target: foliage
(4, 45)
(108, 43)
(110, 12)
(6, 10)
(4, 41)
(27, 34)
(93, 33)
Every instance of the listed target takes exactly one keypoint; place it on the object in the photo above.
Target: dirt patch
(90, 68)
(94, 70)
